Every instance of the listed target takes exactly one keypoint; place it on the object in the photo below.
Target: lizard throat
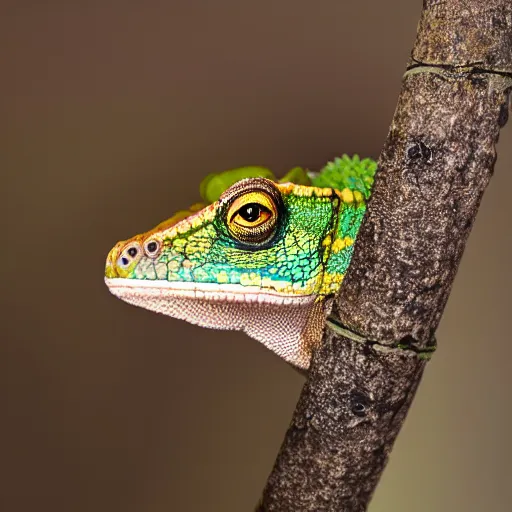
(290, 326)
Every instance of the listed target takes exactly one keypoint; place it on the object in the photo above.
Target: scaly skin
(264, 258)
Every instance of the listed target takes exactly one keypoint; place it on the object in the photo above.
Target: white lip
(207, 291)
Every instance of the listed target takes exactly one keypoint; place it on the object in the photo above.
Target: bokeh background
(111, 113)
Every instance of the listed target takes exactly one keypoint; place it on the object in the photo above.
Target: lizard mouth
(212, 292)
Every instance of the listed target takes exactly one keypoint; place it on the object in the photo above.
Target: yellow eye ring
(252, 217)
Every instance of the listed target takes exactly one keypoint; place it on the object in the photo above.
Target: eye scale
(265, 258)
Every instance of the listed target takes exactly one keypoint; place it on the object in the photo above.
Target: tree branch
(438, 158)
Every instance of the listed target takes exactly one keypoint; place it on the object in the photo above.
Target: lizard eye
(252, 217)
(152, 248)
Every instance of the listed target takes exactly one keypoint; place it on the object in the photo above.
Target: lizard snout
(122, 258)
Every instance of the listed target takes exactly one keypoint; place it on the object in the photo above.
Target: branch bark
(438, 158)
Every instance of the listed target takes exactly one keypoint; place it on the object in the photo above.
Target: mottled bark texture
(437, 160)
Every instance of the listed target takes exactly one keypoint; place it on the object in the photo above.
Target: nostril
(152, 248)
(124, 261)
(132, 251)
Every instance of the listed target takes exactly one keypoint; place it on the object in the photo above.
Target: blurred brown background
(111, 113)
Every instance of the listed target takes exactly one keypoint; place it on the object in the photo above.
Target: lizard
(261, 255)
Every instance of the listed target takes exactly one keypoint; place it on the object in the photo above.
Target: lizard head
(254, 260)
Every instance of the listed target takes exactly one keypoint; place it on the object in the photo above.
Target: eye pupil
(152, 246)
(250, 212)
(132, 251)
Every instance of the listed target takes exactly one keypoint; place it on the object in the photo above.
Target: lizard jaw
(206, 291)
(290, 326)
